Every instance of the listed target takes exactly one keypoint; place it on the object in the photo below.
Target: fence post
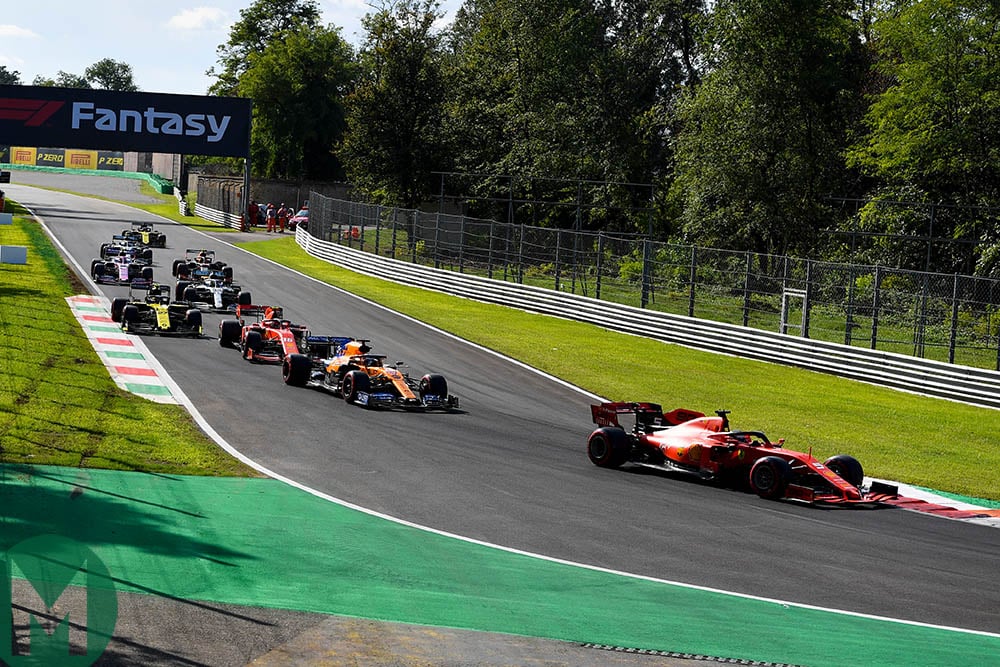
(808, 299)
(461, 245)
(646, 272)
(378, 228)
(600, 263)
(558, 247)
(746, 290)
(413, 236)
(849, 325)
(692, 277)
(921, 329)
(876, 301)
(953, 336)
(520, 257)
(489, 253)
(437, 241)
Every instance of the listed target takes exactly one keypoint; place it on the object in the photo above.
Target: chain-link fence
(952, 318)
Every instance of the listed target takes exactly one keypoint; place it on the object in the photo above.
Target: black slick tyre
(295, 369)
(117, 306)
(769, 477)
(608, 447)
(354, 382)
(229, 332)
(847, 468)
(252, 344)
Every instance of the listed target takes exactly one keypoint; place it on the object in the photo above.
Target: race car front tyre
(433, 385)
(130, 315)
(117, 306)
(608, 447)
(769, 477)
(229, 332)
(847, 468)
(244, 298)
(354, 382)
(147, 273)
(179, 290)
(295, 369)
(252, 344)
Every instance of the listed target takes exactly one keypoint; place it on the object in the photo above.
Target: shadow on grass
(92, 509)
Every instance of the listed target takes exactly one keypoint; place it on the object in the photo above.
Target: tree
(298, 85)
(9, 77)
(62, 80)
(395, 115)
(108, 74)
(761, 140)
(261, 23)
(934, 132)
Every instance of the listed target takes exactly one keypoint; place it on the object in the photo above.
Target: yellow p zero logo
(65, 626)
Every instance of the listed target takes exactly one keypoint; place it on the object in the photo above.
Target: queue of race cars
(680, 441)
(344, 366)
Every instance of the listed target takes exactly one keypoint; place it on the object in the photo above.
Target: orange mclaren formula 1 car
(690, 442)
(266, 339)
(346, 367)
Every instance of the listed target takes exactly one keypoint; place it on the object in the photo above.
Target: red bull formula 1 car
(689, 442)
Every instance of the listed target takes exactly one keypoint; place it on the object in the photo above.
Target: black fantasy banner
(105, 119)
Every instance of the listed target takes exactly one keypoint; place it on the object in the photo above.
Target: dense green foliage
(740, 123)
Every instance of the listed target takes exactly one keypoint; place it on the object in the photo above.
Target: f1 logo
(50, 565)
(31, 112)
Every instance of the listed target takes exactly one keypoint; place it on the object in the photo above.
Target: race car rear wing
(648, 416)
(324, 347)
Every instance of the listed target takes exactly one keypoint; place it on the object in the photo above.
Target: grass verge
(58, 405)
(914, 439)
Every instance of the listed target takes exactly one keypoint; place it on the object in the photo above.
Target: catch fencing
(942, 317)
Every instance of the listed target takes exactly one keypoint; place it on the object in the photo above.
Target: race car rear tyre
(104, 249)
(227, 274)
(192, 318)
(433, 385)
(847, 468)
(769, 477)
(229, 332)
(354, 383)
(117, 306)
(147, 273)
(179, 290)
(608, 447)
(252, 344)
(244, 299)
(96, 268)
(147, 254)
(190, 294)
(295, 369)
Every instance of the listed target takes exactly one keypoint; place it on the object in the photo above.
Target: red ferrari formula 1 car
(266, 340)
(690, 442)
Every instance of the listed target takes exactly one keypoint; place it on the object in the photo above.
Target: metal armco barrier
(959, 383)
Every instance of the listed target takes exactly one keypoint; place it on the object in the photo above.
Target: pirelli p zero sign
(149, 122)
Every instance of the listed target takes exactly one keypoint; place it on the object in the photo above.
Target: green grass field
(913, 439)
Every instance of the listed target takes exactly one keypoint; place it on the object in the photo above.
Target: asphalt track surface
(510, 468)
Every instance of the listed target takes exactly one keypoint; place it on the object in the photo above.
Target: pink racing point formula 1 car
(690, 442)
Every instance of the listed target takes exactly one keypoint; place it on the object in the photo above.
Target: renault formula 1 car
(145, 235)
(689, 442)
(346, 367)
(268, 339)
(156, 314)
